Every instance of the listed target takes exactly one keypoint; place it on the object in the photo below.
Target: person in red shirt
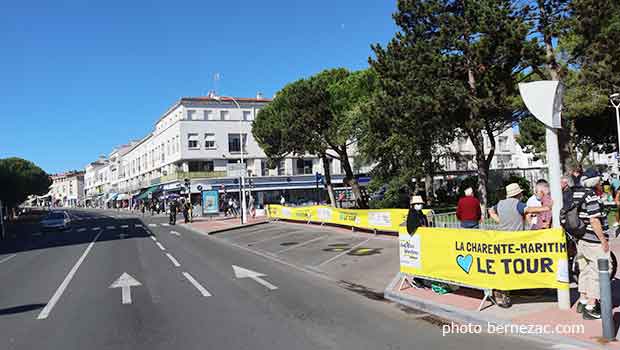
(468, 210)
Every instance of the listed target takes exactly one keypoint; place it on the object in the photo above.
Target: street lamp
(615, 101)
(242, 189)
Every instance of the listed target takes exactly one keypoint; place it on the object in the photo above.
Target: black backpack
(569, 217)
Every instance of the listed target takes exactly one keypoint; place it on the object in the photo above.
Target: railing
(193, 175)
(449, 220)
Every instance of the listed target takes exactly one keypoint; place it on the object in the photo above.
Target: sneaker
(594, 314)
(580, 307)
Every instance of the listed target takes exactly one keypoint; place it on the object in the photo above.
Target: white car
(56, 220)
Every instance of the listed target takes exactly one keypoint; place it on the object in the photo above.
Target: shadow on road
(29, 236)
(20, 309)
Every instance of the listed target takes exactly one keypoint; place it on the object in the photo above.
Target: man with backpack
(593, 240)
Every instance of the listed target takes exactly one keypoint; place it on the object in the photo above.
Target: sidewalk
(534, 310)
(211, 225)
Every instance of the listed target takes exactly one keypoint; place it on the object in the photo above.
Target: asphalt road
(181, 292)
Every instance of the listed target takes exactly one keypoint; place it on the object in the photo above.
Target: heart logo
(465, 262)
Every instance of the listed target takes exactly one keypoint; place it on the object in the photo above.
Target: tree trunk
(428, 188)
(328, 180)
(360, 201)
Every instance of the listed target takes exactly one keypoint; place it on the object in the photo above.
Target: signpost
(544, 101)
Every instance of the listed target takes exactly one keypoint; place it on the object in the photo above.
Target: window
(192, 141)
(234, 145)
(263, 168)
(208, 115)
(191, 115)
(503, 143)
(209, 141)
(168, 147)
(503, 161)
(304, 166)
(281, 168)
(224, 115)
(247, 115)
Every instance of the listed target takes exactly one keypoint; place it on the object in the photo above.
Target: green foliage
(20, 178)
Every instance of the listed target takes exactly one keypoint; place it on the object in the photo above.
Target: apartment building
(200, 138)
(67, 189)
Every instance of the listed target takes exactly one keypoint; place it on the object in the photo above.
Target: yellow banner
(379, 219)
(487, 259)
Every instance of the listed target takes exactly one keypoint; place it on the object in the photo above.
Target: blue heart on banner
(465, 262)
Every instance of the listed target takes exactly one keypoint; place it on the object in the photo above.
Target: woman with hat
(415, 217)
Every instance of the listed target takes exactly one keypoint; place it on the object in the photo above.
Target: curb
(224, 229)
(452, 313)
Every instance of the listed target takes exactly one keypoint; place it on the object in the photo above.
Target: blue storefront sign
(210, 202)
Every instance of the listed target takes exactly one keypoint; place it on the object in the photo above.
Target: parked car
(56, 220)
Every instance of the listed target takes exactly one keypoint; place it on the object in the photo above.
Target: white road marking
(124, 226)
(343, 253)
(110, 227)
(174, 261)
(153, 225)
(138, 226)
(81, 229)
(274, 237)
(175, 233)
(160, 246)
(154, 239)
(241, 272)
(125, 282)
(200, 288)
(122, 236)
(50, 304)
(95, 228)
(300, 245)
(165, 224)
(7, 258)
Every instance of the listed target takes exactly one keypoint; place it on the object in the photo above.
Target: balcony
(192, 175)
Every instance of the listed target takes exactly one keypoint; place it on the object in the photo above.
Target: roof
(211, 99)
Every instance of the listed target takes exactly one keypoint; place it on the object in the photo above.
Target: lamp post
(615, 101)
(242, 184)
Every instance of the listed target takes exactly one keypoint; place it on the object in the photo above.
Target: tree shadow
(21, 308)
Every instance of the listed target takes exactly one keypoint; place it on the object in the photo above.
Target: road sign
(236, 170)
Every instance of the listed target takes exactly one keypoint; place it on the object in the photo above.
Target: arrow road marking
(125, 282)
(50, 304)
(201, 289)
(174, 261)
(160, 246)
(175, 233)
(240, 272)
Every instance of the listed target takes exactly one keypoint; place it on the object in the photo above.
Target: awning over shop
(145, 195)
(122, 197)
(112, 197)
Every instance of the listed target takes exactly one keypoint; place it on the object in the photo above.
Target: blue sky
(80, 77)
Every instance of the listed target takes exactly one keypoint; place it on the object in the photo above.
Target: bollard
(606, 305)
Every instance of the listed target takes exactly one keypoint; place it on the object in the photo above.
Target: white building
(96, 181)
(197, 139)
(67, 189)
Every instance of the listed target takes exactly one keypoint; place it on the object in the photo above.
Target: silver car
(56, 220)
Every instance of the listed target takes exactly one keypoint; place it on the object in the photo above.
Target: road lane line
(343, 253)
(174, 261)
(96, 228)
(164, 224)
(200, 288)
(124, 226)
(61, 289)
(273, 237)
(110, 227)
(154, 239)
(81, 229)
(300, 245)
(160, 246)
(152, 225)
(175, 233)
(138, 226)
(7, 258)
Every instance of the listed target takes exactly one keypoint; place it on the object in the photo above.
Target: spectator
(173, 212)
(567, 192)
(592, 246)
(282, 200)
(252, 207)
(415, 217)
(509, 213)
(615, 183)
(540, 198)
(576, 176)
(468, 210)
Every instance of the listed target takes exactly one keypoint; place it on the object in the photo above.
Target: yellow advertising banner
(379, 219)
(487, 259)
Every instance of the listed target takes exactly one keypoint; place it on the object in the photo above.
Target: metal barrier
(449, 220)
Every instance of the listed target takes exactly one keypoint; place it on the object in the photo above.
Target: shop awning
(145, 195)
(122, 197)
(112, 197)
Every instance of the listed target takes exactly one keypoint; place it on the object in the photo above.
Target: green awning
(145, 195)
